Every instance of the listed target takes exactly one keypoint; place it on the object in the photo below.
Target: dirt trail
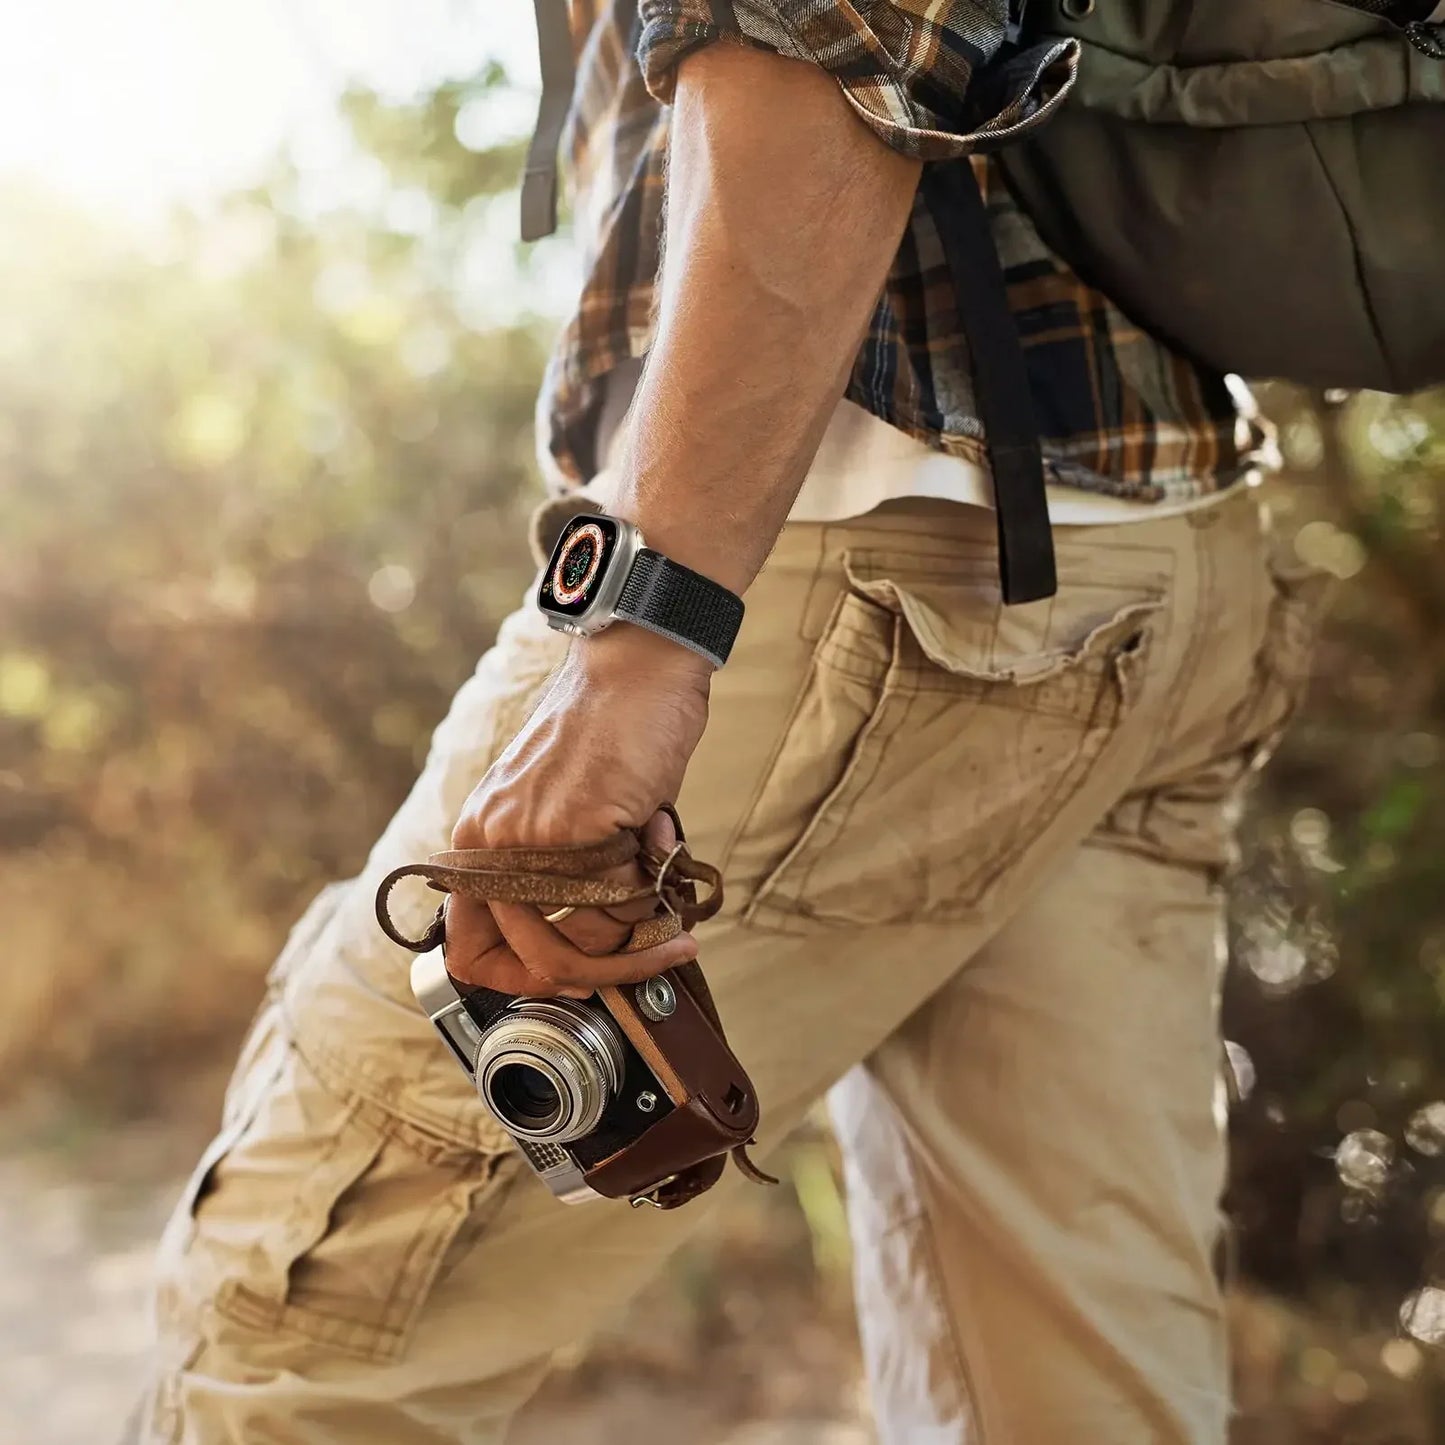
(75, 1260)
(78, 1222)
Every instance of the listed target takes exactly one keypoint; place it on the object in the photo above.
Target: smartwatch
(601, 572)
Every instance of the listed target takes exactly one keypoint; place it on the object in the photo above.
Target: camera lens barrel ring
(571, 1048)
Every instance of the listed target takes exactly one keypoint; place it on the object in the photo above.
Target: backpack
(1260, 184)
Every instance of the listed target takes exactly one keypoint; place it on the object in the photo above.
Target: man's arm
(784, 214)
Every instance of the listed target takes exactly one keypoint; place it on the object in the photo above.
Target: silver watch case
(601, 609)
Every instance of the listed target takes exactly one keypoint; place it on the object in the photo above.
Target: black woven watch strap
(674, 601)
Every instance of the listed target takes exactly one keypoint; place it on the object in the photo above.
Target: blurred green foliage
(261, 489)
(1337, 986)
(260, 498)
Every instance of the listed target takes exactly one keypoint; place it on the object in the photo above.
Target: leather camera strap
(566, 876)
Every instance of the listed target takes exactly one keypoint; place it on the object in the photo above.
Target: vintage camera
(616, 1095)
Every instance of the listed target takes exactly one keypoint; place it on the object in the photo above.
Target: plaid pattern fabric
(1118, 411)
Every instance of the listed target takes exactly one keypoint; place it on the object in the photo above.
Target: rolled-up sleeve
(934, 79)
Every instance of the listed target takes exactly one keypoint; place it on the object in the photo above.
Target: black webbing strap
(539, 179)
(1000, 381)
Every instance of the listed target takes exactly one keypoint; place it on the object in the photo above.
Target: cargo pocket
(181, 1276)
(328, 1218)
(937, 736)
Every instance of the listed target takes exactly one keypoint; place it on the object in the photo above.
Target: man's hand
(607, 745)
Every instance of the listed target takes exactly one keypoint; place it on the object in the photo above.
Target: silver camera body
(556, 1073)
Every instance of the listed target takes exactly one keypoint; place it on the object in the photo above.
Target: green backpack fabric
(1260, 183)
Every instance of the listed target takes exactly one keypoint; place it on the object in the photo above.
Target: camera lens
(525, 1097)
(548, 1068)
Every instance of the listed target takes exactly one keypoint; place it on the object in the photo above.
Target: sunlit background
(268, 355)
(131, 109)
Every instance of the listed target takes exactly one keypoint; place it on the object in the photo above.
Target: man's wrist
(711, 546)
(623, 652)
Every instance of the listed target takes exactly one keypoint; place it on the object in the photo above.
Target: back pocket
(938, 735)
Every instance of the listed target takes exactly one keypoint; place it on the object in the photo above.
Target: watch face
(579, 562)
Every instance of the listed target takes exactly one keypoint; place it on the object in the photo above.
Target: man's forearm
(784, 214)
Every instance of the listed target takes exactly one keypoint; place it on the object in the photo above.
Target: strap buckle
(650, 1198)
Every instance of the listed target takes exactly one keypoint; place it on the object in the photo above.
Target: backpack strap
(539, 179)
(1000, 380)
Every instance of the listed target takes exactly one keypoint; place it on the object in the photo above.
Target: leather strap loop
(573, 860)
(552, 878)
(435, 934)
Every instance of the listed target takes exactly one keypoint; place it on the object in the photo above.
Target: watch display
(579, 560)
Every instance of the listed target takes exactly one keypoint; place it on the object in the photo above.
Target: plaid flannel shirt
(1118, 411)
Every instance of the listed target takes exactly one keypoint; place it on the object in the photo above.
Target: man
(972, 852)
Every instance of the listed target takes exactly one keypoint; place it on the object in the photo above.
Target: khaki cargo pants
(973, 860)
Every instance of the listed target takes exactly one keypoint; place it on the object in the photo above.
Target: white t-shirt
(864, 462)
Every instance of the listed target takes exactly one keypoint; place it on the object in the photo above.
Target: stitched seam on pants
(785, 733)
(161, 1415)
(379, 1337)
(763, 895)
(370, 1090)
(805, 613)
(968, 1396)
(1206, 582)
(300, 1217)
(409, 1289)
(1098, 735)
(876, 736)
